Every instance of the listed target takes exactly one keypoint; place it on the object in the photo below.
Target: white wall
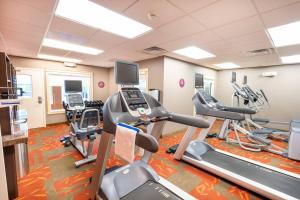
(3, 185)
(177, 99)
(99, 74)
(155, 68)
(283, 91)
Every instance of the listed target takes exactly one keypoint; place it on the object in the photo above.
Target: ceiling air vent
(260, 52)
(154, 50)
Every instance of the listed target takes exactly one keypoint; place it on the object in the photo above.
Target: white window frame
(66, 73)
(207, 78)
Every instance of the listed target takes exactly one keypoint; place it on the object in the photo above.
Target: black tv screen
(73, 86)
(199, 82)
(126, 73)
(233, 77)
(245, 80)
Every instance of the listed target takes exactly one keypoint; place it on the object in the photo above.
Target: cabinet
(13, 125)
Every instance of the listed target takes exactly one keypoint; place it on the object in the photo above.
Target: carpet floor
(53, 175)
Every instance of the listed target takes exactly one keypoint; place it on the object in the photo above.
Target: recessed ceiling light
(194, 52)
(58, 58)
(227, 65)
(94, 15)
(290, 59)
(70, 47)
(285, 35)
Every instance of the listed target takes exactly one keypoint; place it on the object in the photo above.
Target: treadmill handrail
(188, 120)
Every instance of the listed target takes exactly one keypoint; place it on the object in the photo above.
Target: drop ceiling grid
(174, 14)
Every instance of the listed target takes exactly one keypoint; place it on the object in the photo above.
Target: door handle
(40, 100)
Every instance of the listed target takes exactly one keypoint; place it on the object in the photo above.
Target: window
(209, 86)
(143, 80)
(56, 88)
(24, 81)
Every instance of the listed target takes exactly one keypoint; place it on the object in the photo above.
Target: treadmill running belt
(149, 191)
(276, 180)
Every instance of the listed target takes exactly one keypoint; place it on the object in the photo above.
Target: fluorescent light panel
(227, 65)
(290, 59)
(194, 52)
(285, 35)
(58, 58)
(70, 47)
(94, 15)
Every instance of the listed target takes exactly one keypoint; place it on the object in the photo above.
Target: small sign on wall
(181, 83)
(101, 84)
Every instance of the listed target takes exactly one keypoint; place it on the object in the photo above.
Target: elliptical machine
(84, 123)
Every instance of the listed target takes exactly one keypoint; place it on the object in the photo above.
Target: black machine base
(151, 190)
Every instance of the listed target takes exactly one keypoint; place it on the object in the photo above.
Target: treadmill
(268, 181)
(137, 180)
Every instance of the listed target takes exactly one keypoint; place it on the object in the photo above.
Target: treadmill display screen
(127, 73)
(245, 80)
(73, 86)
(233, 77)
(199, 83)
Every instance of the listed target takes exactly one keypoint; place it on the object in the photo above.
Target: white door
(3, 185)
(33, 99)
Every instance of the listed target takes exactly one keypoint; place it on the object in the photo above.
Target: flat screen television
(245, 80)
(199, 82)
(233, 77)
(73, 86)
(126, 73)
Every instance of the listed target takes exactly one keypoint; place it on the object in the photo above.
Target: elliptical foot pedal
(211, 135)
(172, 149)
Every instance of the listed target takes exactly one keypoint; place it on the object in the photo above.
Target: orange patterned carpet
(53, 175)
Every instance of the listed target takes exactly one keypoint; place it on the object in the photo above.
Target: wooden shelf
(10, 140)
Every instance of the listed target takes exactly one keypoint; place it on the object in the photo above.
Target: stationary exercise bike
(84, 124)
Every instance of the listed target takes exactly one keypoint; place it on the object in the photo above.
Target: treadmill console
(75, 101)
(135, 102)
(207, 97)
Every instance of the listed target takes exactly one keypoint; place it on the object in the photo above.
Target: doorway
(33, 95)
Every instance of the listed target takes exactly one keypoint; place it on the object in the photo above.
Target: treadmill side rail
(240, 180)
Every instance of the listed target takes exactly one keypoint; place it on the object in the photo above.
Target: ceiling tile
(195, 40)
(241, 27)
(21, 27)
(16, 51)
(164, 11)
(224, 12)
(221, 48)
(25, 13)
(115, 5)
(154, 38)
(250, 42)
(182, 27)
(52, 51)
(257, 61)
(282, 16)
(46, 5)
(104, 40)
(79, 56)
(22, 39)
(191, 5)
(289, 50)
(266, 5)
(62, 29)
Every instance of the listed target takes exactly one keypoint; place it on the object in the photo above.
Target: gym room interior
(149, 99)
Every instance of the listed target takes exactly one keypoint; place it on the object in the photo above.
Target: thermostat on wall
(269, 74)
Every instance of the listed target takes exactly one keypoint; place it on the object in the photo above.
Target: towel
(125, 141)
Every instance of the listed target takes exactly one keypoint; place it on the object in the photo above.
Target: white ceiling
(226, 28)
